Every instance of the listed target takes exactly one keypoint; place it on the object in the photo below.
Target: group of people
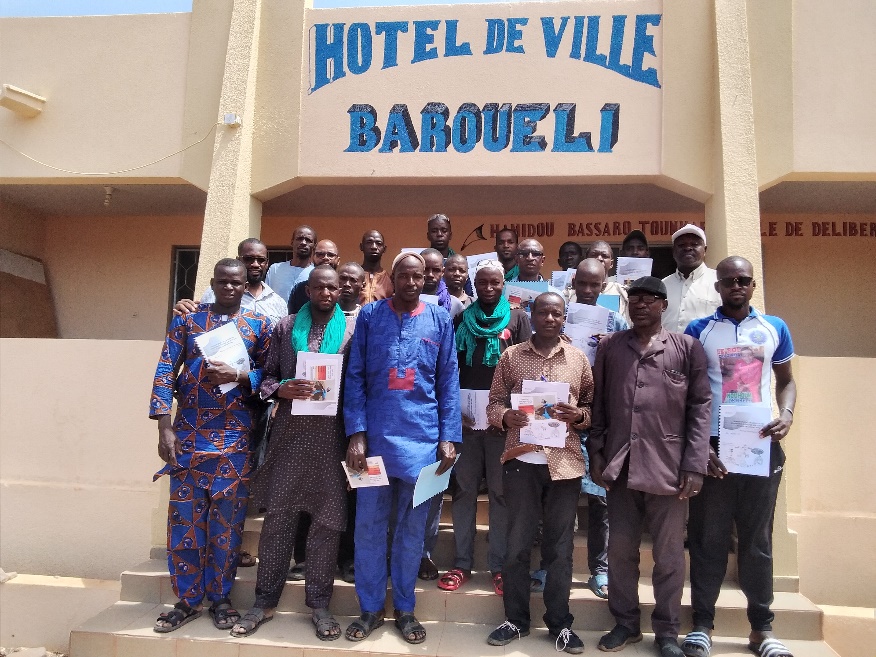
(641, 436)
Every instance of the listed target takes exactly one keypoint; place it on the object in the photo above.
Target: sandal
(246, 560)
(181, 614)
(453, 579)
(428, 569)
(498, 584)
(348, 572)
(697, 643)
(327, 628)
(770, 647)
(410, 627)
(363, 626)
(223, 614)
(599, 585)
(537, 580)
(251, 621)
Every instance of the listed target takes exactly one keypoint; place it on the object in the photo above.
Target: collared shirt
(652, 407)
(281, 277)
(267, 303)
(402, 385)
(377, 286)
(741, 356)
(690, 298)
(563, 363)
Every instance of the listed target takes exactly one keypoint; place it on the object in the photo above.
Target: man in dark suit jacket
(649, 448)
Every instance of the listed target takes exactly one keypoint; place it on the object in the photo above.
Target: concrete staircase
(457, 623)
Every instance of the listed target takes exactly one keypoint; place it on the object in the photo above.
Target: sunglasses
(251, 259)
(647, 299)
(526, 253)
(741, 281)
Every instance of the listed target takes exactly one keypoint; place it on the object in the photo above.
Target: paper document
(544, 428)
(325, 372)
(472, 262)
(559, 388)
(430, 484)
(522, 293)
(629, 269)
(740, 447)
(224, 345)
(375, 475)
(610, 301)
(582, 323)
(562, 279)
(474, 408)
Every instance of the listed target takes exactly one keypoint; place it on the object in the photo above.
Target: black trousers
(750, 502)
(530, 496)
(345, 551)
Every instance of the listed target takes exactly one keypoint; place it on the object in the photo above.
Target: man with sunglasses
(649, 449)
(258, 296)
(691, 288)
(737, 337)
(530, 258)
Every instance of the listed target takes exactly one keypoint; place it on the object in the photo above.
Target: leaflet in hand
(584, 321)
(474, 408)
(224, 345)
(559, 388)
(523, 293)
(544, 428)
(740, 447)
(562, 279)
(374, 475)
(324, 370)
(629, 269)
(429, 484)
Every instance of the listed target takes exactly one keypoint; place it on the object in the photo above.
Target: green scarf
(477, 324)
(331, 339)
(512, 273)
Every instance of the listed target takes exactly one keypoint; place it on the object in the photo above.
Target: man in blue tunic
(401, 403)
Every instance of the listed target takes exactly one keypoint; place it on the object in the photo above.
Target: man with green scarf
(483, 331)
(302, 470)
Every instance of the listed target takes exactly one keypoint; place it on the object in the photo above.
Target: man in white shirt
(691, 289)
(282, 275)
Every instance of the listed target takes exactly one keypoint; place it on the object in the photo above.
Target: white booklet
(629, 269)
(559, 388)
(374, 475)
(325, 372)
(582, 323)
(474, 408)
(562, 279)
(740, 447)
(544, 428)
(224, 345)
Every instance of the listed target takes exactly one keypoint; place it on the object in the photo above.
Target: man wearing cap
(691, 289)
(738, 337)
(649, 448)
(635, 245)
(401, 403)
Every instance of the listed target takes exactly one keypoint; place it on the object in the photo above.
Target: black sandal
(250, 622)
(410, 627)
(223, 614)
(181, 614)
(327, 628)
(364, 625)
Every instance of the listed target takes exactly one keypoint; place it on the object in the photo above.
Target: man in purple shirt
(649, 448)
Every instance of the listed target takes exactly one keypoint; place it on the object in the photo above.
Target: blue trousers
(204, 534)
(373, 508)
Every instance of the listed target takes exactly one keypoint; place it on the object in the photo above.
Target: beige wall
(22, 231)
(110, 276)
(822, 286)
(77, 454)
(115, 87)
(829, 475)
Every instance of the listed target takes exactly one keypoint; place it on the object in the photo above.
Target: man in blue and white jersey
(744, 349)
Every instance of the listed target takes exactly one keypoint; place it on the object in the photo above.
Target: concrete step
(477, 603)
(125, 630)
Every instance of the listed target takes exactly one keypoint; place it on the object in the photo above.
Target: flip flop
(250, 622)
(453, 580)
(770, 647)
(498, 584)
(697, 643)
(181, 614)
